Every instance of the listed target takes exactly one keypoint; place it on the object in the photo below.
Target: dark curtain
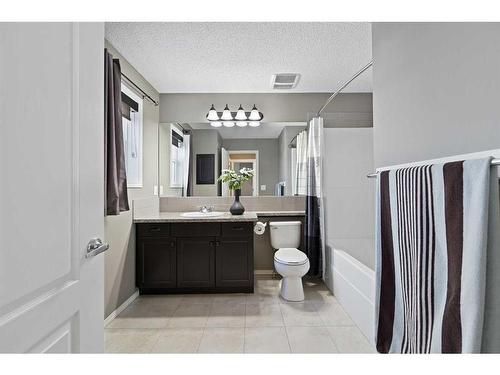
(189, 190)
(115, 177)
(313, 241)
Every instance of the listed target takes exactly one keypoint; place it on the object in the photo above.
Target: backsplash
(182, 204)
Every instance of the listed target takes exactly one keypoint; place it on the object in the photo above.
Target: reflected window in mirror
(176, 158)
(132, 114)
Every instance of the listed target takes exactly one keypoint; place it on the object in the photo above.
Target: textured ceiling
(241, 57)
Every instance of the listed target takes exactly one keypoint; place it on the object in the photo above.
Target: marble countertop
(154, 216)
(148, 216)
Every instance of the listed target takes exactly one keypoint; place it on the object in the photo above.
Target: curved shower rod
(344, 86)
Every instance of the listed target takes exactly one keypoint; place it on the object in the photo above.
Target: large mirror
(192, 156)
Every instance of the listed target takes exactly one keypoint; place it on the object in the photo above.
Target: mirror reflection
(193, 155)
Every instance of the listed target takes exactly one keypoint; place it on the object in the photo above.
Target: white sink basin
(201, 215)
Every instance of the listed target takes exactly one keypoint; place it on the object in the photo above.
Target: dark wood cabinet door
(234, 262)
(196, 262)
(156, 263)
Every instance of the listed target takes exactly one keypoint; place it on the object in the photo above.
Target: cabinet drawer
(152, 229)
(237, 229)
(195, 229)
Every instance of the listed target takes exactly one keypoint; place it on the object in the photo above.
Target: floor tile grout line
(245, 329)
(286, 332)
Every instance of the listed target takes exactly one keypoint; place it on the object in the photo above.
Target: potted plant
(235, 180)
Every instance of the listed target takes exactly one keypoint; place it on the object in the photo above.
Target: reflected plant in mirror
(235, 181)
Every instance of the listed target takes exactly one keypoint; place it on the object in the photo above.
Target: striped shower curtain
(301, 166)
(437, 236)
(314, 222)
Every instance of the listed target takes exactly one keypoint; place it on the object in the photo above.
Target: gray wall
(205, 141)
(436, 90)
(268, 159)
(275, 107)
(119, 232)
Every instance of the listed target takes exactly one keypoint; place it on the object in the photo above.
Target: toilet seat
(290, 256)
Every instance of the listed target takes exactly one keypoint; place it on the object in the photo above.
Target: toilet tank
(285, 234)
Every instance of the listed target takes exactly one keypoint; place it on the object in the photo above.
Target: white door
(51, 187)
(225, 165)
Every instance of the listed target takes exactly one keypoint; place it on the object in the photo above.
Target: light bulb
(216, 124)
(254, 114)
(212, 114)
(240, 115)
(241, 124)
(254, 123)
(226, 114)
(228, 124)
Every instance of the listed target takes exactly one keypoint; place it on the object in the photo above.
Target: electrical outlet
(263, 187)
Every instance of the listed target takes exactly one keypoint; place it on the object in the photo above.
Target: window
(176, 157)
(132, 136)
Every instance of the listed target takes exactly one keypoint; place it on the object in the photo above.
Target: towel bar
(375, 174)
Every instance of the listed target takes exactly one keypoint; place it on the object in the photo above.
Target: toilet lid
(291, 256)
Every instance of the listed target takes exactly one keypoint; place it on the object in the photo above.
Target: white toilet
(291, 263)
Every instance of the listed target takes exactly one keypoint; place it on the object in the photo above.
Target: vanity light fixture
(212, 114)
(241, 115)
(229, 119)
(254, 114)
(226, 114)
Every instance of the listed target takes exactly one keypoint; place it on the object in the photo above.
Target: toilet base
(292, 289)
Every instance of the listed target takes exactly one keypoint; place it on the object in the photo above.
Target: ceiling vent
(284, 81)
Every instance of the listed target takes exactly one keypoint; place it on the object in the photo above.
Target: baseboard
(120, 308)
(263, 272)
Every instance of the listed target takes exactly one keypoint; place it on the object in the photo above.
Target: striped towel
(434, 231)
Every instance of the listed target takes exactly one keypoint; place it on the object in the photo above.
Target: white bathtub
(353, 284)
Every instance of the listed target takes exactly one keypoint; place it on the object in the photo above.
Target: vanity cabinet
(194, 257)
(196, 262)
(156, 263)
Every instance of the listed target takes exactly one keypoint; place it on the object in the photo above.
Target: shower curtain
(116, 199)
(314, 225)
(301, 166)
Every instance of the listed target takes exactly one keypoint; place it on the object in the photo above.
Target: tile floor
(236, 323)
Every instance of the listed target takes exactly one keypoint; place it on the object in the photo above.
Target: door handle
(95, 246)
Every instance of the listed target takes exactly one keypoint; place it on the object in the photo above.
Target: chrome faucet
(206, 209)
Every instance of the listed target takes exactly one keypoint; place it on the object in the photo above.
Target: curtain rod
(375, 174)
(344, 86)
(141, 90)
(338, 92)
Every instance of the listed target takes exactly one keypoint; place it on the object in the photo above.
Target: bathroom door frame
(255, 163)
